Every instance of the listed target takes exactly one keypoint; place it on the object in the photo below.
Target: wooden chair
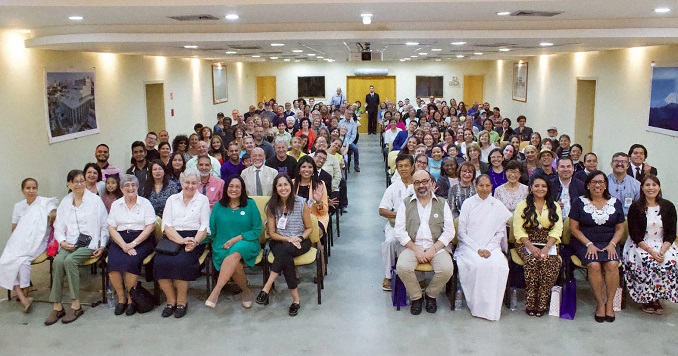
(310, 257)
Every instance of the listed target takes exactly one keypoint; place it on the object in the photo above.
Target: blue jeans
(353, 148)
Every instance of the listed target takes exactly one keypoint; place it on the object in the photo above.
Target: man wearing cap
(268, 112)
(546, 158)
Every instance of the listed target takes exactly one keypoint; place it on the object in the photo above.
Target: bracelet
(612, 242)
(589, 244)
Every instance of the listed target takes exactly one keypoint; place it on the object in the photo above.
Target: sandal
(530, 312)
(658, 309)
(649, 308)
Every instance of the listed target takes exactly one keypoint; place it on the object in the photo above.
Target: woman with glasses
(460, 192)
(597, 224)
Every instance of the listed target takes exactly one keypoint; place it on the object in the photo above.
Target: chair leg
(156, 292)
(319, 275)
(9, 295)
(338, 230)
(104, 279)
(622, 284)
(51, 260)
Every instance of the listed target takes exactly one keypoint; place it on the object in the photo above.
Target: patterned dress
(648, 280)
(158, 199)
(511, 199)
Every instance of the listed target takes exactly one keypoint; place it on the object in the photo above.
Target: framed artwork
(519, 92)
(663, 116)
(70, 105)
(311, 87)
(219, 84)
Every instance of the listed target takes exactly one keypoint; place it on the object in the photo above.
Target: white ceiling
(332, 29)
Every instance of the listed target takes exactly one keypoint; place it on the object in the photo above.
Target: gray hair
(124, 178)
(189, 172)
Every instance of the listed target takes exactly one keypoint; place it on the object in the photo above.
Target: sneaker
(386, 285)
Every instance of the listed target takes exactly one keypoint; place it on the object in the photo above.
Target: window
(429, 86)
(311, 87)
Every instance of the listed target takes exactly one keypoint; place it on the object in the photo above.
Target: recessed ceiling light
(478, 53)
(438, 59)
(297, 60)
(423, 53)
(191, 47)
(274, 57)
(277, 44)
(412, 43)
(436, 49)
(461, 43)
(311, 54)
(402, 60)
(662, 10)
(230, 52)
(414, 56)
(460, 56)
(297, 50)
(504, 49)
(232, 17)
(504, 13)
(367, 18)
(256, 56)
(546, 44)
(320, 57)
(75, 18)
(24, 31)
(286, 59)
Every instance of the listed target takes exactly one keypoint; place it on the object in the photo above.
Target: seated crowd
(495, 181)
(199, 188)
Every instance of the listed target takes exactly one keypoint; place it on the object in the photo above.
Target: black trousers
(371, 122)
(284, 253)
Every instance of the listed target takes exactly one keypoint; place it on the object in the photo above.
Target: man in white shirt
(424, 225)
(202, 148)
(258, 177)
(392, 199)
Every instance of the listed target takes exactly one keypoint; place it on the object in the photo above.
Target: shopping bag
(568, 304)
(398, 292)
(556, 294)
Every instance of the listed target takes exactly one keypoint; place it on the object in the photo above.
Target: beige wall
(623, 79)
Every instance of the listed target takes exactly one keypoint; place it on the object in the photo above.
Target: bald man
(258, 178)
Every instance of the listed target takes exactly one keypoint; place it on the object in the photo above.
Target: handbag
(617, 301)
(52, 245)
(398, 291)
(143, 300)
(568, 303)
(167, 247)
(556, 294)
(83, 240)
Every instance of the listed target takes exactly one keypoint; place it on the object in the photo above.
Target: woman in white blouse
(185, 222)
(81, 230)
(130, 224)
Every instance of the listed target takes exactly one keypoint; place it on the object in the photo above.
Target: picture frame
(70, 110)
(519, 84)
(219, 83)
(663, 115)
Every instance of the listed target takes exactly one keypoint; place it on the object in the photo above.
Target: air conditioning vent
(202, 17)
(531, 13)
(245, 48)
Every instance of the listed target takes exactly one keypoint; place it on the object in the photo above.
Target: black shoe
(168, 311)
(120, 308)
(181, 310)
(357, 169)
(609, 319)
(294, 309)
(262, 298)
(415, 307)
(431, 305)
(131, 309)
(599, 319)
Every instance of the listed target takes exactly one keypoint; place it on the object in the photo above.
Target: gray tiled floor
(355, 317)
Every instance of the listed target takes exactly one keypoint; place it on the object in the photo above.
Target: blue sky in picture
(664, 98)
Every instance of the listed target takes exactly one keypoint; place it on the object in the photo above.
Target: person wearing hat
(545, 159)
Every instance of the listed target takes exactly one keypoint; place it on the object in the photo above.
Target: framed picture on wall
(70, 105)
(664, 101)
(519, 92)
(219, 84)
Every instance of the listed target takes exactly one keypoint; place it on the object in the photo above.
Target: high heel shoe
(609, 318)
(262, 298)
(599, 319)
(247, 304)
(210, 304)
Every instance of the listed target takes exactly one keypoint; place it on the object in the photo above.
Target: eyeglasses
(422, 162)
(597, 182)
(78, 182)
(620, 161)
(417, 183)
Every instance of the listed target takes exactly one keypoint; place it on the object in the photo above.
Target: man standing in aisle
(372, 107)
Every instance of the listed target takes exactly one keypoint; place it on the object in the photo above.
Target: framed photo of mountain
(663, 116)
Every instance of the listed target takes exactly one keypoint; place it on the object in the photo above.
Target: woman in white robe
(30, 231)
(483, 268)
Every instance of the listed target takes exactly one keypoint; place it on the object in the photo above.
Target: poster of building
(70, 105)
(664, 101)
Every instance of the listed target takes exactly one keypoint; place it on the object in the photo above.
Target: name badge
(435, 216)
(242, 213)
(628, 201)
(282, 222)
(212, 189)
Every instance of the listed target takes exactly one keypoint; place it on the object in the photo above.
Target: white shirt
(332, 167)
(423, 238)
(394, 196)
(565, 197)
(194, 216)
(19, 211)
(389, 135)
(122, 218)
(89, 219)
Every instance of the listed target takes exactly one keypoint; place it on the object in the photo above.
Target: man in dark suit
(638, 167)
(372, 107)
(565, 189)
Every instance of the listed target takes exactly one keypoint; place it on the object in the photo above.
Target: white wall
(336, 73)
(623, 80)
(120, 107)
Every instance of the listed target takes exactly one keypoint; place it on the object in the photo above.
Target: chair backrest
(511, 238)
(158, 229)
(261, 205)
(502, 143)
(315, 230)
(524, 144)
(392, 160)
(567, 233)
(455, 239)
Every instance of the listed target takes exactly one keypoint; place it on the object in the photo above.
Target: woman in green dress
(235, 224)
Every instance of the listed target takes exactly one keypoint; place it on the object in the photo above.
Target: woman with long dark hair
(537, 227)
(159, 189)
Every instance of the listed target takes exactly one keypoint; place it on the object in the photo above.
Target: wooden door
(266, 88)
(585, 109)
(474, 86)
(357, 87)
(155, 107)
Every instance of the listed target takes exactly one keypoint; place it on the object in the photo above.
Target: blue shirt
(627, 191)
(351, 131)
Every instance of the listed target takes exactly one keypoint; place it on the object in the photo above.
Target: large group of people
(454, 166)
(502, 181)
